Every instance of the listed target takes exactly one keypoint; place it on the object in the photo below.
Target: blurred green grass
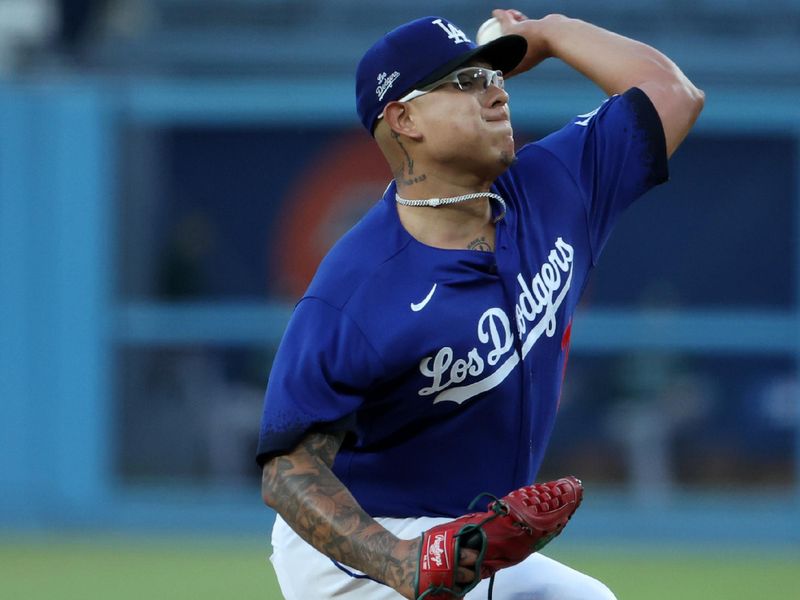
(653, 572)
(135, 568)
(177, 568)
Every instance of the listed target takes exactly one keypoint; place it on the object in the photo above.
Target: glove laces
(498, 508)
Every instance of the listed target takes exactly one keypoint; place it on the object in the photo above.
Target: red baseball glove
(513, 528)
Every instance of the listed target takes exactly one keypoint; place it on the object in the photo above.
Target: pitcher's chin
(508, 158)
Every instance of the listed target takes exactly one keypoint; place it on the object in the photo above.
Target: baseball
(490, 30)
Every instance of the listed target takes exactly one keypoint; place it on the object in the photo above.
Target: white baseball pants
(304, 573)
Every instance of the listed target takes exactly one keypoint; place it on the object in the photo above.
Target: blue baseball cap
(417, 54)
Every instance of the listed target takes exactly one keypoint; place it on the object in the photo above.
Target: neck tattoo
(434, 202)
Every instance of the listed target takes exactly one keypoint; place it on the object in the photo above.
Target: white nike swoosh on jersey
(420, 305)
(589, 115)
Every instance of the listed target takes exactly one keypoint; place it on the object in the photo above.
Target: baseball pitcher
(415, 390)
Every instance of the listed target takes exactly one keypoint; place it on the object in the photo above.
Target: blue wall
(56, 168)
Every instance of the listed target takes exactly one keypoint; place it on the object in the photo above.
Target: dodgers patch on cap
(418, 53)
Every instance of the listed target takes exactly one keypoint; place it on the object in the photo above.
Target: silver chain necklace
(434, 202)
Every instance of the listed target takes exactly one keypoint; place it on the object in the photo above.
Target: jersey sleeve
(614, 154)
(321, 372)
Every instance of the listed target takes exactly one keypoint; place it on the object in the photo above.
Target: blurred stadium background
(172, 170)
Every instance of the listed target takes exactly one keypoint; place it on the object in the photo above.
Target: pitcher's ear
(400, 118)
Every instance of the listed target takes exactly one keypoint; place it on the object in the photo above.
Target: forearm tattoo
(311, 499)
(400, 172)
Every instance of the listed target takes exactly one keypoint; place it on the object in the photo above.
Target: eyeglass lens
(478, 79)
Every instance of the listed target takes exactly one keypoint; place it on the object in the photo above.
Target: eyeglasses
(474, 80)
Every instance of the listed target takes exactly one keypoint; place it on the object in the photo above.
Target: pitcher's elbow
(268, 495)
(698, 99)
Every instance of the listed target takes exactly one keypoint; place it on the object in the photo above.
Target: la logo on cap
(453, 32)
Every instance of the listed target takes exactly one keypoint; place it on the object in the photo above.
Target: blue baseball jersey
(445, 367)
